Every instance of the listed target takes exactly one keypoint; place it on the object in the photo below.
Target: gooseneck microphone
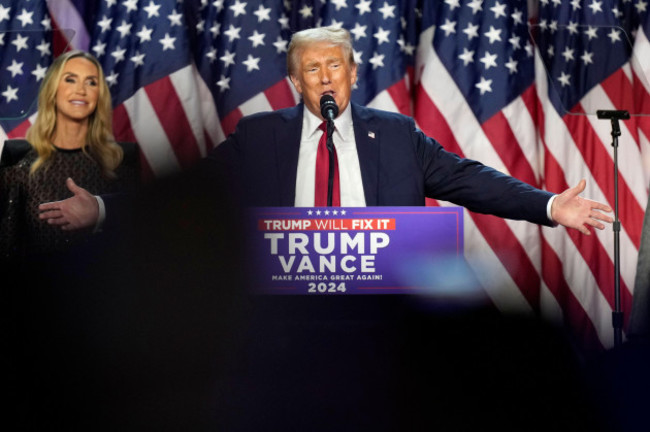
(329, 110)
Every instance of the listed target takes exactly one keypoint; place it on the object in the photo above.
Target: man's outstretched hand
(77, 212)
(573, 211)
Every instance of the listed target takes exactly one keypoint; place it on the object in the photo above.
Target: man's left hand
(77, 212)
(573, 211)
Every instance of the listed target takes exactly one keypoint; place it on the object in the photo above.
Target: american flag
(490, 91)
(26, 49)
(503, 82)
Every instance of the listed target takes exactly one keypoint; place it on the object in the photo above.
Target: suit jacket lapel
(287, 148)
(367, 136)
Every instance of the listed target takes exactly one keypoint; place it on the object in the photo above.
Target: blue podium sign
(348, 250)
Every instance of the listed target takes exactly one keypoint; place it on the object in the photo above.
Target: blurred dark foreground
(151, 327)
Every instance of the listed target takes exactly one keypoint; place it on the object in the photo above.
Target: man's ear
(296, 83)
(354, 73)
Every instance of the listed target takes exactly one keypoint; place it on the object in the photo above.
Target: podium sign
(345, 250)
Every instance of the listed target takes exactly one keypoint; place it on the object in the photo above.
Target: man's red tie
(322, 172)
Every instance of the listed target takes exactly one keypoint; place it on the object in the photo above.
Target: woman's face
(78, 90)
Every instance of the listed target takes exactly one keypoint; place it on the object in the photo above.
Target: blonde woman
(72, 147)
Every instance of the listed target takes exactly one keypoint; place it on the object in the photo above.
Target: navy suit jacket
(400, 166)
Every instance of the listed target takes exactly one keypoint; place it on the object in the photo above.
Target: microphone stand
(330, 150)
(617, 315)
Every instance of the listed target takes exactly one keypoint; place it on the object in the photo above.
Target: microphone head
(328, 107)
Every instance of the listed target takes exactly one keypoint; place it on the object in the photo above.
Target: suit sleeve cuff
(102, 214)
(549, 205)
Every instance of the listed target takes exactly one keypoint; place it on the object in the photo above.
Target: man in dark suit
(382, 158)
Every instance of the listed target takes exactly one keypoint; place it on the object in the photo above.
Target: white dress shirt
(346, 152)
(352, 194)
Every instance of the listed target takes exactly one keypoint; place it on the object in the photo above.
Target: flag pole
(617, 314)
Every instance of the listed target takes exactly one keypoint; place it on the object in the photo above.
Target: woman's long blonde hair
(99, 144)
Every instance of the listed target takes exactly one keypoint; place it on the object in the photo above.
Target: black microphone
(328, 107)
(329, 110)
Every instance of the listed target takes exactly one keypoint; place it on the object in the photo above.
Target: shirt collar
(342, 124)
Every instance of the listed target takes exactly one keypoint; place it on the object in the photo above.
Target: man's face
(322, 70)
